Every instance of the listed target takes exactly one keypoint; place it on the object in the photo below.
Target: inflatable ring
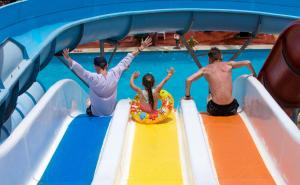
(161, 114)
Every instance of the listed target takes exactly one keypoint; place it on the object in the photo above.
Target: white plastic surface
(9, 60)
(24, 106)
(36, 90)
(22, 154)
(278, 135)
(109, 162)
(201, 166)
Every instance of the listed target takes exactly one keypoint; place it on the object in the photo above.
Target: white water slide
(55, 143)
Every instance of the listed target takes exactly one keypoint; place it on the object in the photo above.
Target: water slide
(257, 146)
(56, 143)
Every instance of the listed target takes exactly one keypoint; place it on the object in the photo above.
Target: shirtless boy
(219, 77)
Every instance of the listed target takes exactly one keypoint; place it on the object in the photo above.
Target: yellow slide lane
(235, 155)
(155, 156)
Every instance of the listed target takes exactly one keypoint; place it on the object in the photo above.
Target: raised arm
(189, 81)
(134, 76)
(85, 75)
(125, 62)
(144, 44)
(246, 63)
(162, 83)
(66, 54)
(122, 65)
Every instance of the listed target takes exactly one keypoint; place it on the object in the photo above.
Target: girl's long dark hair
(148, 82)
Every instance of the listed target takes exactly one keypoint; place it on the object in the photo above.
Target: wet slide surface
(235, 155)
(155, 156)
(76, 157)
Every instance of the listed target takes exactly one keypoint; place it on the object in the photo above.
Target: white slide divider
(24, 155)
(109, 163)
(201, 169)
(277, 137)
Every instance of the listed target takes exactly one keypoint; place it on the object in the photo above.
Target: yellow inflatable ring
(161, 114)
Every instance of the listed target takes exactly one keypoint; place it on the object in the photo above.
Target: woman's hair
(148, 82)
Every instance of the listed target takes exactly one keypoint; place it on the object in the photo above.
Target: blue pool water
(157, 63)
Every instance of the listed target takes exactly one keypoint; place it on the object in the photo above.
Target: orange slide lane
(235, 155)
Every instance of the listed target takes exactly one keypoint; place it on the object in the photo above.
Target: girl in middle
(149, 96)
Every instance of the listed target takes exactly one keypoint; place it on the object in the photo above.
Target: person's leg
(89, 107)
(89, 111)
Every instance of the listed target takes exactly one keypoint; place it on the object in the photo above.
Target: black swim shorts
(222, 110)
(89, 111)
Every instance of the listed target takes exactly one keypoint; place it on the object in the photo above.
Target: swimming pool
(156, 63)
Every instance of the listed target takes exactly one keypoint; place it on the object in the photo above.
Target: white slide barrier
(26, 153)
(109, 166)
(278, 135)
(199, 163)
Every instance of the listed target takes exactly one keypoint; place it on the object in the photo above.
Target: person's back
(146, 103)
(103, 83)
(103, 93)
(149, 96)
(219, 77)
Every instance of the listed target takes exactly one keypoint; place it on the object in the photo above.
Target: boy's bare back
(219, 77)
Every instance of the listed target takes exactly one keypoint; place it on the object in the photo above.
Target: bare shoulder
(203, 69)
(230, 63)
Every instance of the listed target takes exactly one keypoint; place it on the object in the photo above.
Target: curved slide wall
(25, 154)
(36, 32)
(25, 103)
(275, 135)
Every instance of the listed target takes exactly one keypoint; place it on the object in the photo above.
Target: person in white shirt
(103, 83)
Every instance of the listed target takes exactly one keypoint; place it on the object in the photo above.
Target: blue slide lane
(75, 160)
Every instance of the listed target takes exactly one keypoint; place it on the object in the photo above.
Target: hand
(146, 43)
(253, 74)
(135, 75)
(66, 54)
(170, 71)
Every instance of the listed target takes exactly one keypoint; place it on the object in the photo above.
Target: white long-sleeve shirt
(103, 89)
